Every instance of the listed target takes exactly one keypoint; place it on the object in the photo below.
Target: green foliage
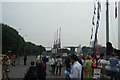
(11, 40)
(41, 49)
(13, 43)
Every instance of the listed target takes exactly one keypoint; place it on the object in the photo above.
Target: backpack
(31, 74)
(94, 63)
(41, 68)
(47, 59)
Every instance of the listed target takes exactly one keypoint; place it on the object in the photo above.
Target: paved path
(19, 70)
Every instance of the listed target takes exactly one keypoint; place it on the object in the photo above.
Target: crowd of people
(6, 62)
(37, 70)
(76, 67)
(56, 64)
(9, 61)
(79, 67)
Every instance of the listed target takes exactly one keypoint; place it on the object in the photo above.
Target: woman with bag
(5, 67)
(52, 64)
(50, 69)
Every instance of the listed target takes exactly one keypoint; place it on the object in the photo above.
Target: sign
(97, 73)
(97, 50)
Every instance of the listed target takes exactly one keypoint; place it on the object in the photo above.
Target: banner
(97, 50)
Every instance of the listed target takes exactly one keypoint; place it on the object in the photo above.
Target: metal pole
(107, 23)
(60, 38)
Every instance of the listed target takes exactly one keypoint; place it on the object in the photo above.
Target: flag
(93, 20)
(94, 8)
(94, 14)
(98, 16)
(96, 32)
(115, 9)
(99, 5)
(98, 11)
(91, 33)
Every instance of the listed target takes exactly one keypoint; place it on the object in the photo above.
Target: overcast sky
(39, 21)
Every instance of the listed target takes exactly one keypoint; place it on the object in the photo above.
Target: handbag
(7, 70)
(50, 69)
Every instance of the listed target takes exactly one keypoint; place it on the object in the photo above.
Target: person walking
(41, 70)
(31, 73)
(76, 68)
(113, 67)
(38, 58)
(88, 67)
(68, 67)
(94, 63)
(50, 69)
(53, 65)
(58, 65)
(13, 60)
(67, 62)
(81, 61)
(45, 59)
(5, 68)
(25, 60)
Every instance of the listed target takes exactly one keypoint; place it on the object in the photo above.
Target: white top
(38, 57)
(59, 61)
(76, 70)
(52, 61)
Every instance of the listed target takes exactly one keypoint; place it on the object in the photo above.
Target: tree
(11, 40)
(13, 43)
(41, 49)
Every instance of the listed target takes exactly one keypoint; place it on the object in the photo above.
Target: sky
(38, 22)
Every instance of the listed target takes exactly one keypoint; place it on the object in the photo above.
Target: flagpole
(107, 24)
(97, 26)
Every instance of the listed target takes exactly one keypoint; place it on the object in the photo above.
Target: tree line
(14, 43)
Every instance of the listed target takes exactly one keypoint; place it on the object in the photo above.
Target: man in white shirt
(59, 65)
(76, 68)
